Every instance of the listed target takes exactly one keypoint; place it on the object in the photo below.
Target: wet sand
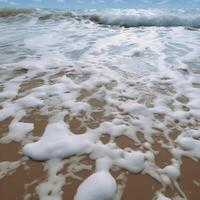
(137, 186)
(21, 182)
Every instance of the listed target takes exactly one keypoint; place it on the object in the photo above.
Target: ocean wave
(57, 15)
(140, 19)
(121, 18)
(8, 12)
(40, 14)
(137, 20)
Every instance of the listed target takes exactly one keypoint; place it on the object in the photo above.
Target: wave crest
(121, 18)
(147, 20)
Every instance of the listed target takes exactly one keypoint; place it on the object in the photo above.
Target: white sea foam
(160, 196)
(100, 185)
(56, 142)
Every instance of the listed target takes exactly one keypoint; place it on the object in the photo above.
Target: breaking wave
(143, 19)
(121, 18)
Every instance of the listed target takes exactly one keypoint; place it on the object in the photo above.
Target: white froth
(57, 141)
(18, 130)
(54, 183)
(29, 102)
(133, 162)
(100, 185)
(160, 196)
(172, 172)
(189, 145)
(8, 167)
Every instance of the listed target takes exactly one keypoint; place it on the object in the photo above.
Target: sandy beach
(97, 106)
(25, 176)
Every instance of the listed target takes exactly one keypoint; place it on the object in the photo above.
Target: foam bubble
(100, 185)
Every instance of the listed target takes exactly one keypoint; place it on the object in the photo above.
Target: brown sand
(29, 84)
(190, 172)
(39, 121)
(137, 186)
(13, 186)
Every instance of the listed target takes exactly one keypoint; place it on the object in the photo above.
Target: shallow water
(119, 93)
